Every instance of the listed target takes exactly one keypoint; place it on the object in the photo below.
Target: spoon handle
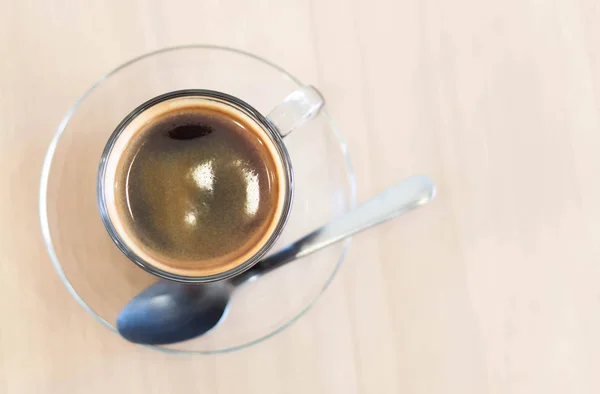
(407, 195)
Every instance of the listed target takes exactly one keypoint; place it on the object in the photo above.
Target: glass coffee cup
(199, 266)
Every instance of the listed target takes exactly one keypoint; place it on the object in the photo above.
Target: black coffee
(197, 187)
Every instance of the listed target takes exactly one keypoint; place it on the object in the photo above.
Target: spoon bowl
(169, 312)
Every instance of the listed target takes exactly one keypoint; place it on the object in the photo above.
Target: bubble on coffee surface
(199, 186)
(188, 132)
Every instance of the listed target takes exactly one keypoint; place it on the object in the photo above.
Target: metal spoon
(169, 312)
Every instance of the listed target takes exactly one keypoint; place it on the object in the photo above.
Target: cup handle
(296, 109)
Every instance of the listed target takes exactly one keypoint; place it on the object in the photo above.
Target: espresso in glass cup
(196, 185)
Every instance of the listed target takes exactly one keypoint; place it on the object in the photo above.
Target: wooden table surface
(493, 288)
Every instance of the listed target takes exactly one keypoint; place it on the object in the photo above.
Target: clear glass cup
(299, 107)
(103, 280)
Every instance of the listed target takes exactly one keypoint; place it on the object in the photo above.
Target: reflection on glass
(190, 218)
(204, 176)
(252, 192)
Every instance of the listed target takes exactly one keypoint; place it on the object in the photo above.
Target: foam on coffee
(197, 187)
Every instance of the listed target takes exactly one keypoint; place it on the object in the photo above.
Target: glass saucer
(103, 280)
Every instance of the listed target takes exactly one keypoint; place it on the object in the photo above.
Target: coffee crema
(197, 186)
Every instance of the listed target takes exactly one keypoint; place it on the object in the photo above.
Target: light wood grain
(491, 289)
